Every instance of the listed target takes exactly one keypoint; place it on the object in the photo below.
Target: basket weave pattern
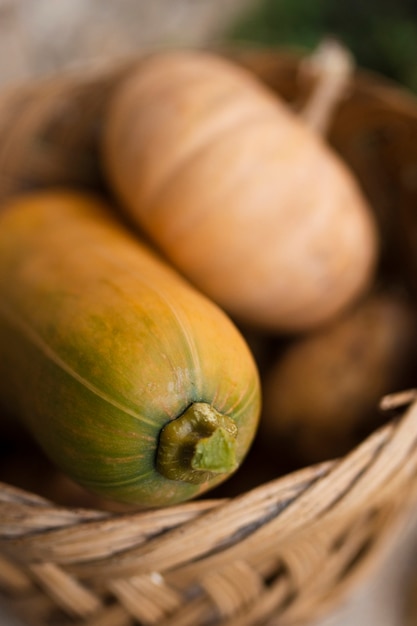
(270, 556)
(279, 553)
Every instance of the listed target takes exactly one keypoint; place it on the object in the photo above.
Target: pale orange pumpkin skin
(237, 192)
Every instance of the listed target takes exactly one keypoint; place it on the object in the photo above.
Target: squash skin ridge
(183, 163)
(34, 337)
(198, 395)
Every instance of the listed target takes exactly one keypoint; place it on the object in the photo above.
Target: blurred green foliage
(382, 34)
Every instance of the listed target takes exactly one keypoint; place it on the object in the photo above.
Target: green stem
(197, 446)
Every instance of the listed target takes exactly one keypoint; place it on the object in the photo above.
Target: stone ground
(41, 36)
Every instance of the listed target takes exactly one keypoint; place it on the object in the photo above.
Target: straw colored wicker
(281, 552)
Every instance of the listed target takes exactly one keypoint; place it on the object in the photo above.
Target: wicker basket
(279, 553)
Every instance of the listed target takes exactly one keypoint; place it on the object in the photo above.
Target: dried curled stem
(332, 67)
(197, 445)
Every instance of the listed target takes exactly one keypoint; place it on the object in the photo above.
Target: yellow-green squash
(137, 386)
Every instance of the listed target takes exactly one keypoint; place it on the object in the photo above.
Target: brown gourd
(321, 393)
(237, 192)
(136, 385)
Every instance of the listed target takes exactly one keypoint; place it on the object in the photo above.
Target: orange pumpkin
(235, 190)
